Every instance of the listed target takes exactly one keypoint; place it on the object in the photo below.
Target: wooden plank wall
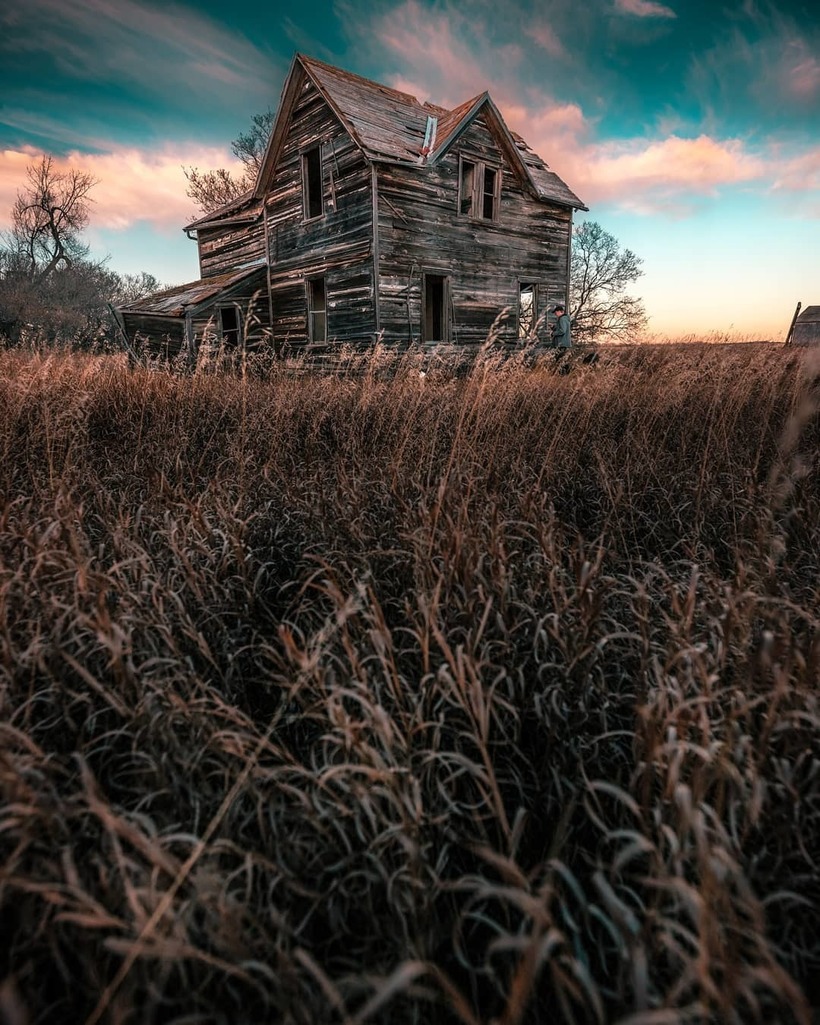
(420, 230)
(251, 296)
(222, 249)
(159, 336)
(337, 245)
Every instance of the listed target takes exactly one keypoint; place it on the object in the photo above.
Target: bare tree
(48, 218)
(600, 272)
(128, 288)
(49, 290)
(212, 189)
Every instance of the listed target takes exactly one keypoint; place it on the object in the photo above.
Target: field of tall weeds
(411, 697)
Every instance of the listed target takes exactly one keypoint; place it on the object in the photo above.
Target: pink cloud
(802, 79)
(798, 177)
(546, 37)
(134, 185)
(644, 9)
(639, 171)
(444, 56)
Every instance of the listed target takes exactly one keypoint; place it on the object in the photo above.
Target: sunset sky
(690, 128)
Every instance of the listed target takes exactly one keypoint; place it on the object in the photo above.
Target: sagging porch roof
(182, 299)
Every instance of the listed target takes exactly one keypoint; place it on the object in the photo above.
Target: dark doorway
(229, 326)
(435, 321)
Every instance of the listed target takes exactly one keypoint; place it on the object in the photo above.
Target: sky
(690, 128)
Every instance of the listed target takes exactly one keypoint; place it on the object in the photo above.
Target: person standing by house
(560, 333)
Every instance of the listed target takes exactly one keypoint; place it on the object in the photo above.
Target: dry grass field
(486, 698)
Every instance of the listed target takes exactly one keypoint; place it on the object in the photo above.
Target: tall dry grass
(484, 698)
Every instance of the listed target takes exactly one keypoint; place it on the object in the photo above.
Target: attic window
(489, 199)
(479, 190)
(466, 186)
(312, 182)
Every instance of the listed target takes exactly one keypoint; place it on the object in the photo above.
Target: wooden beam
(791, 326)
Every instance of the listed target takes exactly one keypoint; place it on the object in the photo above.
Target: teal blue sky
(691, 129)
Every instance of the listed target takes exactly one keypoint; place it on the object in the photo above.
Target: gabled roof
(547, 182)
(810, 314)
(389, 125)
(385, 123)
(177, 301)
(450, 120)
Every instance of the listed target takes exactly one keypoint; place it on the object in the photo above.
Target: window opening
(312, 182)
(466, 187)
(527, 309)
(479, 190)
(435, 308)
(229, 326)
(317, 310)
(488, 207)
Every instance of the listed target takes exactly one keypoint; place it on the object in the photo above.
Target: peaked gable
(533, 171)
(484, 105)
(392, 126)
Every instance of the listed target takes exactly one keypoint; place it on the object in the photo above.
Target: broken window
(229, 326)
(466, 187)
(312, 182)
(317, 310)
(488, 197)
(527, 309)
(435, 321)
(479, 190)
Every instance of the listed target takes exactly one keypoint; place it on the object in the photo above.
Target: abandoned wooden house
(375, 216)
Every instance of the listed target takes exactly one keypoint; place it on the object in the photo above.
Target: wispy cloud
(148, 48)
(441, 53)
(133, 185)
(644, 9)
(546, 37)
(796, 179)
(800, 72)
(766, 68)
(446, 55)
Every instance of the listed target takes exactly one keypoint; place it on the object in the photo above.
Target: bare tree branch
(49, 216)
(599, 275)
(212, 189)
(49, 289)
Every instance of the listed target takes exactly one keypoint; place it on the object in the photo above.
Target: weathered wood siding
(337, 245)
(250, 297)
(225, 248)
(421, 230)
(159, 336)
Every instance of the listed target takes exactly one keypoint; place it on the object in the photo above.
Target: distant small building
(374, 216)
(807, 327)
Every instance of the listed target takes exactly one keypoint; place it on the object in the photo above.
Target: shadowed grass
(487, 696)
